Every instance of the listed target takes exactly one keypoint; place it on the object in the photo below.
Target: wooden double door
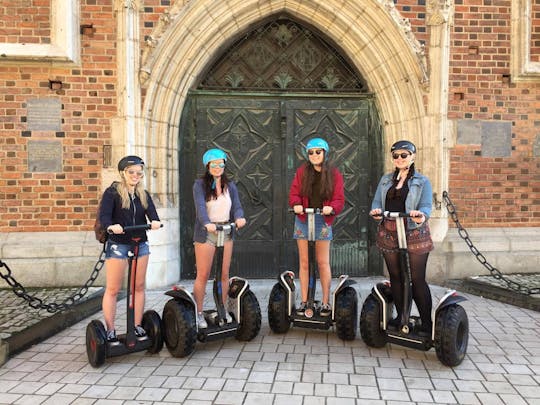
(264, 136)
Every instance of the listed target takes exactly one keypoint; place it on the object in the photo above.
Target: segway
(450, 326)
(180, 313)
(97, 346)
(344, 299)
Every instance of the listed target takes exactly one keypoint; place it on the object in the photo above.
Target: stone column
(439, 20)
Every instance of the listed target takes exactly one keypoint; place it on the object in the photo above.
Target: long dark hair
(210, 192)
(394, 192)
(327, 180)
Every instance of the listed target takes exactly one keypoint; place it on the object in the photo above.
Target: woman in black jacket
(126, 203)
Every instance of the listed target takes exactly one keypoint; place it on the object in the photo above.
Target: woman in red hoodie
(316, 184)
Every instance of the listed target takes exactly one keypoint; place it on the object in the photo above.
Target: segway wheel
(250, 320)
(346, 313)
(278, 318)
(179, 329)
(451, 335)
(96, 343)
(370, 323)
(151, 323)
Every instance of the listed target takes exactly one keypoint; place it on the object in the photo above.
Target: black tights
(420, 289)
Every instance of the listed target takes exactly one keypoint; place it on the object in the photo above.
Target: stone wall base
(67, 258)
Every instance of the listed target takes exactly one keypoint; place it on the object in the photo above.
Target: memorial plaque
(44, 114)
(496, 138)
(44, 156)
(469, 132)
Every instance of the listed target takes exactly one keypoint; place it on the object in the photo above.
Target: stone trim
(65, 38)
(521, 67)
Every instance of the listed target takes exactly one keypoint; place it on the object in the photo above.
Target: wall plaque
(44, 114)
(44, 156)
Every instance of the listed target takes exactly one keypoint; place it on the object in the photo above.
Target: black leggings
(420, 289)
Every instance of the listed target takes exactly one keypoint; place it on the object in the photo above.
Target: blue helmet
(317, 143)
(405, 145)
(213, 154)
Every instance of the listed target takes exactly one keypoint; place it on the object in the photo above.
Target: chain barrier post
(37, 303)
(495, 273)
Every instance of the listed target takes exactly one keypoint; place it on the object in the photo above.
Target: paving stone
(308, 367)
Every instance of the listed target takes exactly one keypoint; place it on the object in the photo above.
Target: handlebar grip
(135, 228)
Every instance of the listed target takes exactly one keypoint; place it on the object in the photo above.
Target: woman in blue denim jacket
(216, 202)
(406, 190)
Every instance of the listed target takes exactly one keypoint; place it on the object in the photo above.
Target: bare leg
(204, 256)
(303, 264)
(322, 251)
(113, 283)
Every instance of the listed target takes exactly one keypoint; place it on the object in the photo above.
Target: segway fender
(179, 293)
(343, 282)
(237, 288)
(382, 292)
(286, 279)
(451, 297)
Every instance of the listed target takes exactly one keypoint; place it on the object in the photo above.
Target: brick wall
(64, 201)
(492, 191)
(487, 191)
(25, 21)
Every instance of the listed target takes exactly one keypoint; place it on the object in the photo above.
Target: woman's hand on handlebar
(327, 210)
(211, 228)
(155, 225)
(298, 209)
(417, 216)
(116, 229)
(376, 213)
(240, 222)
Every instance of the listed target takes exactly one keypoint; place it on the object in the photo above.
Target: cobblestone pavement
(502, 366)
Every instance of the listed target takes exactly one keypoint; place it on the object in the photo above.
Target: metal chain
(52, 307)
(496, 273)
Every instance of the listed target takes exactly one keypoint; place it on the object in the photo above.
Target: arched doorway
(261, 100)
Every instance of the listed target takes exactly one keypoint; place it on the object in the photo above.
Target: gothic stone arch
(371, 33)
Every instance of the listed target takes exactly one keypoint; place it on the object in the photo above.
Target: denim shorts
(115, 250)
(211, 238)
(322, 230)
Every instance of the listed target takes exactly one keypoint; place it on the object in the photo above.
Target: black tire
(346, 313)
(179, 328)
(278, 319)
(96, 343)
(451, 335)
(370, 323)
(151, 323)
(250, 320)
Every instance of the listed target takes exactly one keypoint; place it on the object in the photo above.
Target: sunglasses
(403, 155)
(317, 151)
(216, 165)
(132, 172)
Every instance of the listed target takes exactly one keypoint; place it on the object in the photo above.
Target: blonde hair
(123, 192)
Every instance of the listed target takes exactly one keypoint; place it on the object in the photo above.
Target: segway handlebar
(225, 227)
(135, 228)
(317, 211)
(388, 214)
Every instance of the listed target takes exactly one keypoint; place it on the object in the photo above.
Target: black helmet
(406, 145)
(127, 161)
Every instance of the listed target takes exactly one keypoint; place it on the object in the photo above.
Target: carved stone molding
(405, 25)
(440, 12)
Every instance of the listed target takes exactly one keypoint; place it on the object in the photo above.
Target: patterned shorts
(322, 230)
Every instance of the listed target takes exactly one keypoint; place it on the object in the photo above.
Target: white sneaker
(228, 317)
(201, 322)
